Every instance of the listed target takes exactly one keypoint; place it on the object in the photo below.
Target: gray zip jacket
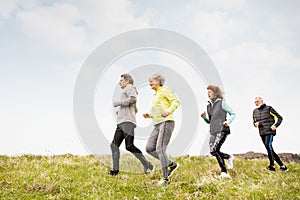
(127, 104)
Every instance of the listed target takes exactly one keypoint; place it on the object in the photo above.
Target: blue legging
(267, 140)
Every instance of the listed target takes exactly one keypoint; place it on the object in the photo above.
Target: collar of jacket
(159, 88)
(212, 103)
(262, 106)
(128, 85)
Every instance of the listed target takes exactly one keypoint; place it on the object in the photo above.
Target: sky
(254, 45)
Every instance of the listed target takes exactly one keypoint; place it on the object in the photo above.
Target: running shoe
(113, 172)
(163, 182)
(284, 168)
(271, 168)
(172, 168)
(224, 175)
(149, 169)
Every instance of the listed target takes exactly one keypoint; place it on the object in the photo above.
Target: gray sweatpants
(158, 142)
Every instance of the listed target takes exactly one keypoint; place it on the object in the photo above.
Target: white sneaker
(224, 175)
(230, 162)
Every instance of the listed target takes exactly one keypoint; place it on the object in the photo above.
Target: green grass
(85, 177)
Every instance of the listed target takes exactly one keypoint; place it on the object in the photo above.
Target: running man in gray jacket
(126, 123)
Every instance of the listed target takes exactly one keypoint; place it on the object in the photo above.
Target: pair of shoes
(224, 175)
(172, 168)
(271, 168)
(163, 182)
(149, 169)
(113, 172)
(230, 162)
(284, 168)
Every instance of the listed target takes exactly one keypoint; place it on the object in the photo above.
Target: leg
(275, 156)
(267, 140)
(118, 139)
(165, 133)
(216, 142)
(151, 144)
(128, 129)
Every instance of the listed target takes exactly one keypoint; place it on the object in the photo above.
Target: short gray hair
(259, 98)
(128, 78)
(158, 78)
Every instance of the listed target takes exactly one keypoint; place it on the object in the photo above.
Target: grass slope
(84, 177)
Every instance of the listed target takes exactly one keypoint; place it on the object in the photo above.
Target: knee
(160, 150)
(213, 153)
(268, 147)
(130, 148)
(150, 149)
(113, 146)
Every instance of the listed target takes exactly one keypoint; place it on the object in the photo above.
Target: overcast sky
(254, 44)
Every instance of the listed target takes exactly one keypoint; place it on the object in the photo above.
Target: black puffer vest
(263, 116)
(217, 116)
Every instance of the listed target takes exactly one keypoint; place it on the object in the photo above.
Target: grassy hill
(85, 177)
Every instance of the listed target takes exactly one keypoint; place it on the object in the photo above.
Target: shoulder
(223, 101)
(220, 101)
(130, 89)
(268, 107)
(166, 90)
(256, 110)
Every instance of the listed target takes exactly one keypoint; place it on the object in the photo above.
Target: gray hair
(158, 78)
(259, 98)
(128, 78)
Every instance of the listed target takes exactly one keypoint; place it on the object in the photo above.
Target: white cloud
(58, 26)
(217, 4)
(77, 27)
(210, 24)
(254, 69)
(254, 56)
(283, 29)
(213, 28)
(106, 19)
(6, 8)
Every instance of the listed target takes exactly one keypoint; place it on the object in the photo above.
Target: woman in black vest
(266, 119)
(217, 110)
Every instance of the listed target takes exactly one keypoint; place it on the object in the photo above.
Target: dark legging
(125, 131)
(215, 142)
(267, 140)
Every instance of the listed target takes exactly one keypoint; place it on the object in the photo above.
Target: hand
(165, 114)
(146, 115)
(203, 114)
(273, 127)
(256, 124)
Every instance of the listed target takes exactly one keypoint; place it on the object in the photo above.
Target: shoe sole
(174, 170)
(225, 177)
(284, 170)
(163, 185)
(270, 170)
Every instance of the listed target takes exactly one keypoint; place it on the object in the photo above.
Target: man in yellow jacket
(163, 105)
